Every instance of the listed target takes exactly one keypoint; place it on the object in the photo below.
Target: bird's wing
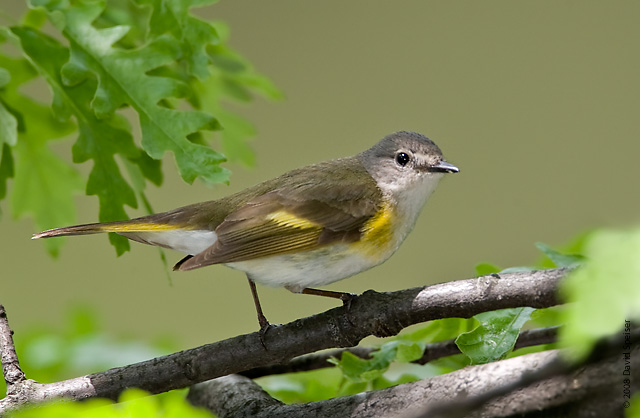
(298, 218)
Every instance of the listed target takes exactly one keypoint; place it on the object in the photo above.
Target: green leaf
(548, 317)
(315, 385)
(496, 335)
(44, 185)
(604, 293)
(123, 80)
(484, 269)
(98, 140)
(8, 136)
(360, 370)
(349, 388)
(34, 18)
(5, 77)
(439, 330)
(172, 16)
(407, 347)
(406, 353)
(560, 259)
(6, 170)
(149, 168)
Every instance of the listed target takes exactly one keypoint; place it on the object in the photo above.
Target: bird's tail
(133, 225)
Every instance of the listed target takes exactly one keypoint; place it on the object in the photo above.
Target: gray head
(404, 159)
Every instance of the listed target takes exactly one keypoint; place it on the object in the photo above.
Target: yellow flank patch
(284, 218)
(377, 233)
(148, 226)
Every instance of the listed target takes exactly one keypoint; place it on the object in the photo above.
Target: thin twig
(432, 351)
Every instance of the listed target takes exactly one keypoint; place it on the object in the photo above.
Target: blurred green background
(538, 103)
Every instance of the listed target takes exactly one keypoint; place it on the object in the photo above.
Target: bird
(307, 228)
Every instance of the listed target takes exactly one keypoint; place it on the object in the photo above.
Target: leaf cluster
(108, 65)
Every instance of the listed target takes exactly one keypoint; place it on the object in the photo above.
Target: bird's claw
(346, 299)
(264, 328)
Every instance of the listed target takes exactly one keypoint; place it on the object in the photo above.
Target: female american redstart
(309, 227)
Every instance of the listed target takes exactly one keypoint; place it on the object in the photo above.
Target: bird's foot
(265, 326)
(346, 299)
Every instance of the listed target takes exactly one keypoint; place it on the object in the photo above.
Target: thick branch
(379, 314)
(233, 395)
(515, 387)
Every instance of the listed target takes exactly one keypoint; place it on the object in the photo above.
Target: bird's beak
(443, 167)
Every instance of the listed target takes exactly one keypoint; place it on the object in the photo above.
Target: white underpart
(309, 269)
(186, 241)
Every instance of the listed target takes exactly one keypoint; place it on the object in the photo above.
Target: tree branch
(379, 314)
(233, 395)
(514, 387)
(11, 371)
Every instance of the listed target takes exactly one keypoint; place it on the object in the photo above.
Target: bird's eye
(402, 158)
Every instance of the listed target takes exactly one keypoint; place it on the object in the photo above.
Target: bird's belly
(310, 268)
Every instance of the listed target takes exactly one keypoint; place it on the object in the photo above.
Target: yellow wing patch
(284, 218)
(377, 233)
(137, 227)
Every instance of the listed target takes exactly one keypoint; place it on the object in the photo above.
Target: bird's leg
(346, 298)
(262, 320)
